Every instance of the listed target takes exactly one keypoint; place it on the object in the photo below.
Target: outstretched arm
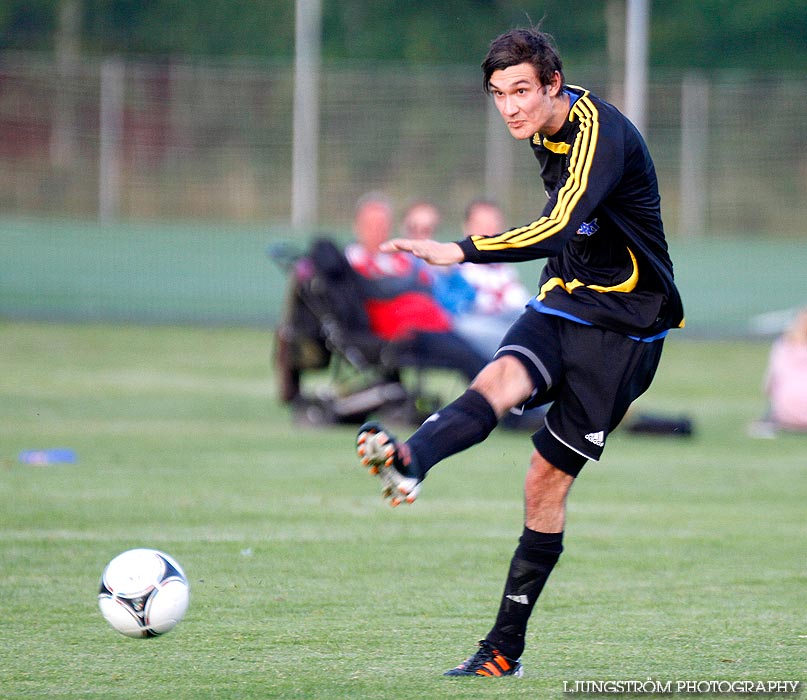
(433, 252)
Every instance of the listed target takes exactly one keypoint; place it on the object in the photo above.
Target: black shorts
(591, 375)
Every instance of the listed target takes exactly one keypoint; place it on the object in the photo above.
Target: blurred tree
(28, 25)
(416, 32)
(260, 28)
(745, 34)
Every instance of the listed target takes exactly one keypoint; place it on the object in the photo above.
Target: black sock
(533, 561)
(464, 422)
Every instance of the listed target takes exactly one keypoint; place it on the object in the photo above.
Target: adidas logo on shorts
(596, 438)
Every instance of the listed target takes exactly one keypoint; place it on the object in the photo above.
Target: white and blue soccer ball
(144, 593)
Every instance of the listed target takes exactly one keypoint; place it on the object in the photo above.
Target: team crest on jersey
(588, 228)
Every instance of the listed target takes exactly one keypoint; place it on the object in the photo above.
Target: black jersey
(601, 228)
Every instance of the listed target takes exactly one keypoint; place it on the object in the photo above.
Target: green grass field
(685, 558)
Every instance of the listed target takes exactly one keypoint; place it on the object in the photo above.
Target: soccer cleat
(488, 661)
(381, 452)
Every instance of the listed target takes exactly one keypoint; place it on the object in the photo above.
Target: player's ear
(555, 85)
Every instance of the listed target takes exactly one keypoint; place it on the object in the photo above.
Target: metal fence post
(498, 158)
(694, 146)
(636, 32)
(305, 138)
(113, 73)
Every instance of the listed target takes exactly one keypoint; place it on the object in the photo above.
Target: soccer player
(589, 341)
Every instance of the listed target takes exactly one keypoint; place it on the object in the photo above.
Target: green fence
(138, 273)
(220, 274)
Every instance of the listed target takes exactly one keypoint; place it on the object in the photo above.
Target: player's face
(526, 106)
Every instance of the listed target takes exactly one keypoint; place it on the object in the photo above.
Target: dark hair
(522, 46)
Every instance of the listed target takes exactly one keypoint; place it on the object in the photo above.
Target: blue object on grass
(60, 455)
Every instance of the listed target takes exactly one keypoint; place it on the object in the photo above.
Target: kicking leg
(468, 420)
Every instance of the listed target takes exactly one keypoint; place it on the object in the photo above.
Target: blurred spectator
(498, 288)
(421, 219)
(398, 288)
(499, 295)
(449, 286)
(786, 382)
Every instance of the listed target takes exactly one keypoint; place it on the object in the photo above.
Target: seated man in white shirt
(500, 296)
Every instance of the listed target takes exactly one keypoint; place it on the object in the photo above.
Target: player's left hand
(433, 252)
